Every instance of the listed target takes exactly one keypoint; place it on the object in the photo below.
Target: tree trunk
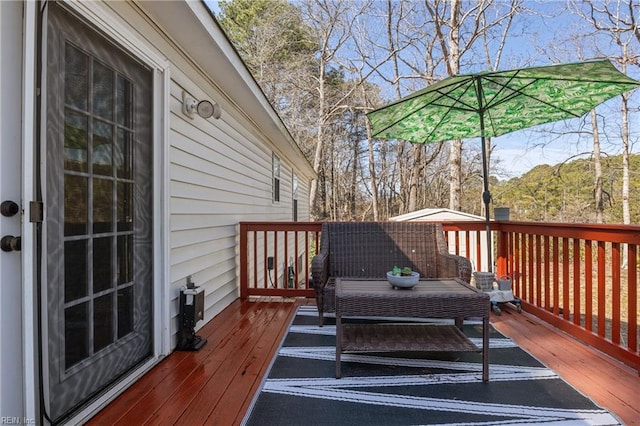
(354, 180)
(455, 170)
(373, 180)
(414, 179)
(317, 156)
(455, 154)
(626, 212)
(597, 166)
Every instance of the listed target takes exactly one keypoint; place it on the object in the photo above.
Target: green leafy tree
(266, 33)
(564, 192)
(277, 47)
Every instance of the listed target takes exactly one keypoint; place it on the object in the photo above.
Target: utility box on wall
(192, 304)
(191, 311)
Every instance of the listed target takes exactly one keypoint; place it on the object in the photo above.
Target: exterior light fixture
(204, 108)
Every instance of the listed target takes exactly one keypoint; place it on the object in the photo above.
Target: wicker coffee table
(431, 298)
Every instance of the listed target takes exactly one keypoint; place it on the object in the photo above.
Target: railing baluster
(538, 263)
(531, 271)
(255, 258)
(588, 285)
(276, 260)
(467, 243)
(307, 259)
(295, 260)
(615, 290)
(285, 273)
(556, 276)
(264, 263)
(577, 294)
(547, 274)
(566, 306)
(602, 294)
(632, 303)
(518, 264)
(479, 251)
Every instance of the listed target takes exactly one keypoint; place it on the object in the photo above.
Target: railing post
(503, 251)
(244, 262)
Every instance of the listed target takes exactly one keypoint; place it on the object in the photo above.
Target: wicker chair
(371, 249)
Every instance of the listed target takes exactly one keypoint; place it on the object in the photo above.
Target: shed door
(98, 226)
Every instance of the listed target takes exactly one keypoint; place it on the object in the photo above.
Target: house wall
(220, 174)
(209, 174)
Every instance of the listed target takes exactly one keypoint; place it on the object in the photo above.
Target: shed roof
(437, 214)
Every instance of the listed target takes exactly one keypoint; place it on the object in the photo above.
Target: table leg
(459, 321)
(338, 344)
(485, 349)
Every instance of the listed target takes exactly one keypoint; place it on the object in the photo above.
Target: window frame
(294, 195)
(276, 167)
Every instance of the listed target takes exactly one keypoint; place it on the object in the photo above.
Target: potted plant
(403, 277)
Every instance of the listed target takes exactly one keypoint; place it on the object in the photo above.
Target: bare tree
(493, 54)
(342, 58)
(618, 19)
(326, 27)
(458, 30)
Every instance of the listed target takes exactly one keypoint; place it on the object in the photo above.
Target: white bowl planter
(403, 281)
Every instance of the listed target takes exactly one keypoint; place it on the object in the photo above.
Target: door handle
(9, 208)
(10, 243)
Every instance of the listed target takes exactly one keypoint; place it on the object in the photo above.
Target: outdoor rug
(412, 388)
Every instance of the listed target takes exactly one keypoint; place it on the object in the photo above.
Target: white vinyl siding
(219, 175)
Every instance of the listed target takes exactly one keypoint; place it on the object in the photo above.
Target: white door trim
(29, 280)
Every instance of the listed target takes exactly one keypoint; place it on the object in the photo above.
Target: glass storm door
(98, 225)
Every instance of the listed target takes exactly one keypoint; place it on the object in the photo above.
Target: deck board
(203, 389)
(216, 384)
(234, 361)
(609, 383)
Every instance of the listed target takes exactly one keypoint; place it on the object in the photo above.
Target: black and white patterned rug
(412, 388)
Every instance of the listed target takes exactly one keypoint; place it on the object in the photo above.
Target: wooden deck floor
(216, 384)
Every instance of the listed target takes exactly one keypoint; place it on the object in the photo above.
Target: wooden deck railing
(276, 258)
(580, 278)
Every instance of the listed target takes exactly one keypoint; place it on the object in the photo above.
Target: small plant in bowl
(403, 272)
(402, 277)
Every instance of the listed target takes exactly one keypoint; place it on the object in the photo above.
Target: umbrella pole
(486, 195)
(486, 198)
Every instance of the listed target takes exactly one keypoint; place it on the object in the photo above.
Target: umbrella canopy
(491, 104)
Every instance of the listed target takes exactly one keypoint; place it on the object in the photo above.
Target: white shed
(119, 189)
(444, 215)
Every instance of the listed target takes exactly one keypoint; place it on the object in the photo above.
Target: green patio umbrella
(489, 104)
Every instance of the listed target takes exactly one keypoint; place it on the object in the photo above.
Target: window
(275, 163)
(294, 195)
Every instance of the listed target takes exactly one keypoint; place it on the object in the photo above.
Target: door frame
(103, 19)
